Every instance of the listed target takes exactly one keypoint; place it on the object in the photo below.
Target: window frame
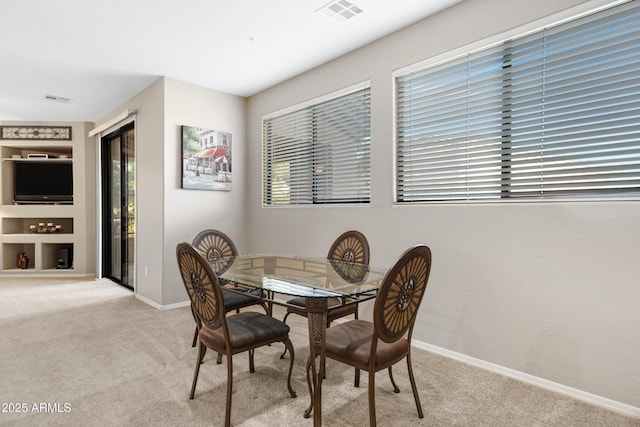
(316, 149)
(492, 42)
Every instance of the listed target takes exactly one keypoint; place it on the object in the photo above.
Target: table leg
(317, 320)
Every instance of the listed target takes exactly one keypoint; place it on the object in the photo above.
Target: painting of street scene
(206, 159)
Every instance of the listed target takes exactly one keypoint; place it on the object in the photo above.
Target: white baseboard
(531, 379)
(160, 306)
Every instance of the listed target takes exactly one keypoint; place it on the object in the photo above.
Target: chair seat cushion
(246, 329)
(233, 300)
(350, 342)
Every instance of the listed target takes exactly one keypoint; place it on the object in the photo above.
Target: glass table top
(302, 277)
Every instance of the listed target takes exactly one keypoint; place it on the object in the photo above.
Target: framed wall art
(41, 133)
(206, 159)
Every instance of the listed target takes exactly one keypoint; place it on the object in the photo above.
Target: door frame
(100, 244)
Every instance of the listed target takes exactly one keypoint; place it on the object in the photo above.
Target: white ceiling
(100, 53)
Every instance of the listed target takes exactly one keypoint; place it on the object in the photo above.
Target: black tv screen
(43, 182)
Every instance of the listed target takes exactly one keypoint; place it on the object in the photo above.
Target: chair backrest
(400, 294)
(216, 247)
(350, 246)
(202, 286)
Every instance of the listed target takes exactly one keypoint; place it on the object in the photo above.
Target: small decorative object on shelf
(41, 228)
(23, 261)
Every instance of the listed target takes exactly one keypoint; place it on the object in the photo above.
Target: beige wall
(547, 289)
(167, 214)
(187, 212)
(149, 134)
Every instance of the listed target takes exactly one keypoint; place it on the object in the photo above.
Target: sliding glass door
(118, 205)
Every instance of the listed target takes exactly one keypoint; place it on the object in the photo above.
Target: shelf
(72, 244)
(22, 226)
(24, 150)
(10, 253)
(20, 159)
(57, 256)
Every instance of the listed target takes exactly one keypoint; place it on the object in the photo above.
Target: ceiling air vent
(340, 10)
(57, 98)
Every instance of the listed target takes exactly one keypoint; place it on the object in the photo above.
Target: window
(552, 114)
(319, 154)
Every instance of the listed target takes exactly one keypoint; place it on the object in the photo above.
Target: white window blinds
(319, 154)
(556, 113)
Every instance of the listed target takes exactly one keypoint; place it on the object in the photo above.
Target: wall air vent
(340, 10)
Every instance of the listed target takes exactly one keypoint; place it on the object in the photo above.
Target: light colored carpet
(96, 356)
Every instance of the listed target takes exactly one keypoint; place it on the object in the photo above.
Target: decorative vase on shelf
(21, 257)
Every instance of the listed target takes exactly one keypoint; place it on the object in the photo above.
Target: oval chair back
(350, 246)
(202, 286)
(216, 247)
(400, 295)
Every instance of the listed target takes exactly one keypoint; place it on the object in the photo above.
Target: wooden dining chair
(373, 346)
(352, 248)
(219, 250)
(224, 334)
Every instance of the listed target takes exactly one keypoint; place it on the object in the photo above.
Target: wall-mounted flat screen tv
(43, 182)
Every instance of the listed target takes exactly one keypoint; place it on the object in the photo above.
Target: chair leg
(356, 380)
(310, 369)
(201, 352)
(372, 398)
(395, 386)
(324, 369)
(284, 320)
(266, 308)
(289, 346)
(252, 367)
(219, 359)
(227, 414)
(195, 337)
(413, 387)
(198, 326)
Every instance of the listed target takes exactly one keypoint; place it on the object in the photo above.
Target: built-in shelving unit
(53, 236)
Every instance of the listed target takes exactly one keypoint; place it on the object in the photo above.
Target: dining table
(315, 279)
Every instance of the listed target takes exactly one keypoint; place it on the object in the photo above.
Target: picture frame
(40, 133)
(206, 159)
